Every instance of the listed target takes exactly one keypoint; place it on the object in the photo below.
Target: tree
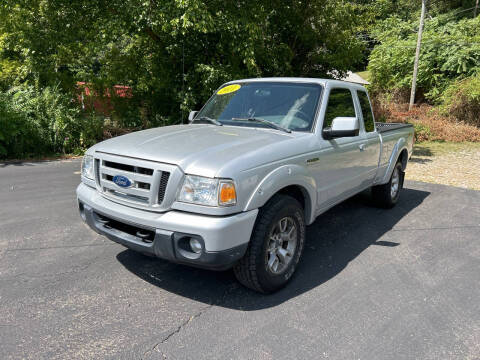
(174, 53)
(450, 51)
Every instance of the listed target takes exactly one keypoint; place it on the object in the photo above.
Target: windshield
(289, 105)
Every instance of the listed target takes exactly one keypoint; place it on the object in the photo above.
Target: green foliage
(149, 45)
(88, 132)
(450, 50)
(422, 132)
(34, 121)
(172, 54)
(18, 137)
(462, 100)
(375, 11)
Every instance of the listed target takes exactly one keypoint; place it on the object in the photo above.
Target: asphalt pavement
(373, 284)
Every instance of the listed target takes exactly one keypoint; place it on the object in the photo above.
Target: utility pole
(475, 11)
(417, 54)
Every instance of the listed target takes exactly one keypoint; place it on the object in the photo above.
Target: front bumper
(224, 239)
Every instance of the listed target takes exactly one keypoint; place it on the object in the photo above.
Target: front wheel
(275, 247)
(387, 195)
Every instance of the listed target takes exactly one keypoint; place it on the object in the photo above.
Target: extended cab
(237, 186)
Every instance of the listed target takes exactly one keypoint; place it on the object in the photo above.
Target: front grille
(129, 168)
(97, 171)
(142, 199)
(149, 180)
(138, 184)
(163, 186)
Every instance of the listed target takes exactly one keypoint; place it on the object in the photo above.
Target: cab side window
(340, 104)
(366, 111)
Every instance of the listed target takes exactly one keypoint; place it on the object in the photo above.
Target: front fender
(286, 175)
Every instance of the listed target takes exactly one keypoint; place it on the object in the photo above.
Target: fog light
(195, 246)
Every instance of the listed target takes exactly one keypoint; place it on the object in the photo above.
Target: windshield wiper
(263, 121)
(206, 120)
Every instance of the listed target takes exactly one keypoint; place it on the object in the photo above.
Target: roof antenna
(183, 64)
(183, 79)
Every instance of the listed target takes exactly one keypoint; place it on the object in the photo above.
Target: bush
(18, 137)
(422, 132)
(91, 130)
(429, 123)
(34, 121)
(462, 100)
(450, 49)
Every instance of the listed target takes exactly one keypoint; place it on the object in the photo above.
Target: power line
(460, 11)
(446, 14)
(434, 42)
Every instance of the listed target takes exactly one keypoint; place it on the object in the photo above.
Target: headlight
(206, 191)
(87, 167)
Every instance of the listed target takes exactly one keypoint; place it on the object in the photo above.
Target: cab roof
(322, 82)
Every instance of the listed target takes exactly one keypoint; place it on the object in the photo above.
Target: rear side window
(340, 104)
(366, 111)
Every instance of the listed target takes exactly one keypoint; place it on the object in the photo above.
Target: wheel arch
(400, 152)
(403, 157)
(289, 180)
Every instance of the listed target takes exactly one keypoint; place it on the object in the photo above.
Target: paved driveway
(373, 284)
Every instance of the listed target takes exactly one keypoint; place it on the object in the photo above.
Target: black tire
(253, 269)
(382, 194)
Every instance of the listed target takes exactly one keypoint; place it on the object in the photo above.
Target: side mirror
(191, 116)
(342, 127)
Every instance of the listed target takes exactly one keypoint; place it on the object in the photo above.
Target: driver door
(339, 171)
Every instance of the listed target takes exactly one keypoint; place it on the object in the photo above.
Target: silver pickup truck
(237, 186)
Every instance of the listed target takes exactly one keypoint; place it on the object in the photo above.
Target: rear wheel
(387, 195)
(275, 247)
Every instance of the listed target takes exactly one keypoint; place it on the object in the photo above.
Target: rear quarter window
(366, 111)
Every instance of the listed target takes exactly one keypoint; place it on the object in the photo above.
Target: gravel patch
(455, 164)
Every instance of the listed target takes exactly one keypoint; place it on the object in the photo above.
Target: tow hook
(145, 236)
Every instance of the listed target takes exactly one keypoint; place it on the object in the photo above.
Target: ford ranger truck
(238, 185)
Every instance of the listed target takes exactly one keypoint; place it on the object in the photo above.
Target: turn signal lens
(227, 194)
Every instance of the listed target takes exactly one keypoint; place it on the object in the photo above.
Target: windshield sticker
(228, 89)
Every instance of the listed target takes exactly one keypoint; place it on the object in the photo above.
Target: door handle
(361, 147)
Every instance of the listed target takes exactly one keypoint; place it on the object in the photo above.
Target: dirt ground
(456, 164)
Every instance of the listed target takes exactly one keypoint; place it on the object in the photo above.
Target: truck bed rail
(384, 127)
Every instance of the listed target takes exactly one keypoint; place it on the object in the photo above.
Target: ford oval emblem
(122, 181)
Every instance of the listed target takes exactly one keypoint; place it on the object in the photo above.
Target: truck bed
(384, 127)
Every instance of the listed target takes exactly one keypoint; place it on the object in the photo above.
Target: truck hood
(197, 149)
